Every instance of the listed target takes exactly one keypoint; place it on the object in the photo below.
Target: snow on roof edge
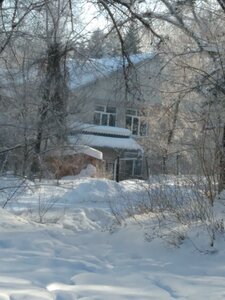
(76, 149)
(127, 143)
(100, 129)
(94, 69)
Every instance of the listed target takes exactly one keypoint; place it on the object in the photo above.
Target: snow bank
(84, 255)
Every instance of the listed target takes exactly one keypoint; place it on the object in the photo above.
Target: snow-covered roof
(126, 143)
(103, 136)
(108, 130)
(83, 72)
(90, 151)
(75, 149)
(97, 129)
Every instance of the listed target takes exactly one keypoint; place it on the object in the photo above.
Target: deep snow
(81, 252)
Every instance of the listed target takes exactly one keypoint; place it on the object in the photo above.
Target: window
(105, 115)
(137, 167)
(135, 122)
(133, 167)
(128, 168)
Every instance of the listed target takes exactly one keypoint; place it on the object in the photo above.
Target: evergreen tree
(132, 40)
(96, 43)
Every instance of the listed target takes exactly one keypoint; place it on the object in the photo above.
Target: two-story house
(111, 98)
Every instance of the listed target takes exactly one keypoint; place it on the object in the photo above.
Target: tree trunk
(221, 183)
(52, 113)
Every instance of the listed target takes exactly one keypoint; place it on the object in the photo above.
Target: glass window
(110, 109)
(105, 115)
(132, 167)
(97, 118)
(128, 122)
(135, 123)
(137, 167)
(135, 126)
(104, 119)
(131, 112)
(100, 108)
(112, 120)
(128, 168)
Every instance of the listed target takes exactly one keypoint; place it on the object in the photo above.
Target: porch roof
(75, 149)
(78, 127)
(125, 143)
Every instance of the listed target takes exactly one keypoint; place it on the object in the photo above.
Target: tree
(132, 40)
(194, 68)
(39, 66)
(197, 30)
(96, 44)
(14, 133)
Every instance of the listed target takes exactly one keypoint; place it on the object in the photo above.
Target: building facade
(112, 103)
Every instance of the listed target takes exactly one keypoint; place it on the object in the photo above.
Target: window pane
(128, 122)
(131, 112)
(111, 109)
(143, 128)
(112, 120)
(137, 167)
(135, 126)
(100, 108)
(104, 119)
(97, 118)
(128, 167)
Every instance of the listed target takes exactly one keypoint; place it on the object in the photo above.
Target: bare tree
(197, 30)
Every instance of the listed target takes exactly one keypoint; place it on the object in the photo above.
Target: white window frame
(104, 112)
(136, 115)
(134, 160)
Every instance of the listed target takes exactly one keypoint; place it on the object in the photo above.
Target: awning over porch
(115, 142)
(70, 150)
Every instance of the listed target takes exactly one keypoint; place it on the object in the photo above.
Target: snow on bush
(166, 206)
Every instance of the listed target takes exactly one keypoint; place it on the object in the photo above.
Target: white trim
(140, 119)
(133, 164)
(108, 114)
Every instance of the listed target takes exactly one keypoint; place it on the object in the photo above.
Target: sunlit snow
(79, 251)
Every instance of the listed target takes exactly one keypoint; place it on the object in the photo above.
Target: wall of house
(139, 91)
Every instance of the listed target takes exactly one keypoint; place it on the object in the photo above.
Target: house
(117, 145)
(111, 97)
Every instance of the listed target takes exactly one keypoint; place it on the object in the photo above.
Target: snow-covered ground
(80, 251)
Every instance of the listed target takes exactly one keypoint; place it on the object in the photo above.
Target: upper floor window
(135, 122)
(105, 115)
